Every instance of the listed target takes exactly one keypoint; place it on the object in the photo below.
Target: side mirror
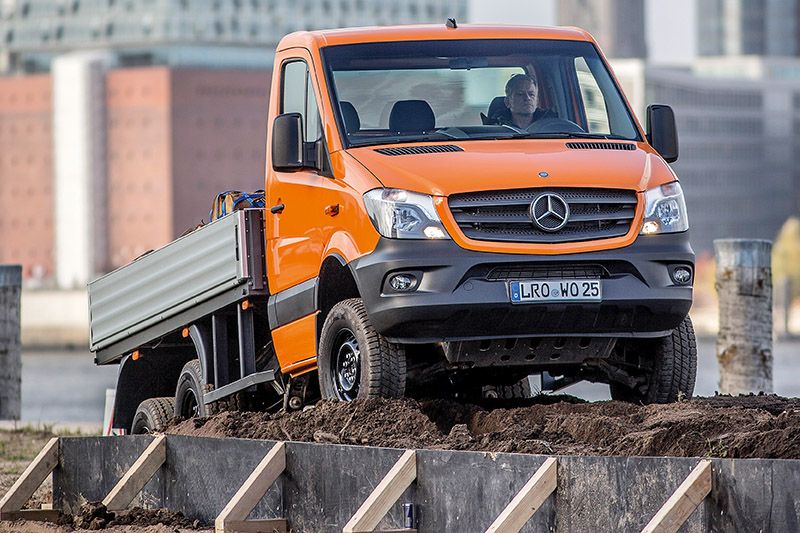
(661, 131)
(287, 142)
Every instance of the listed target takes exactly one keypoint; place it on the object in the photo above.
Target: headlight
(665, 210)
(399, 214)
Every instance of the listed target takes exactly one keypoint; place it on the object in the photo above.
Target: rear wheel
(190, 392)
(355, 361)
(672, 374)
(153, 416)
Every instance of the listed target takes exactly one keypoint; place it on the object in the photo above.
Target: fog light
(432, 232)
(402, 282)
(650, 227)
(682, 275)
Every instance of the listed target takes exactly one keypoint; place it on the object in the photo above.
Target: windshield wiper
(567, 135)
(400, 139)
(586, 135)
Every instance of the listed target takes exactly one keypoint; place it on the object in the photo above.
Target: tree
(786, 255)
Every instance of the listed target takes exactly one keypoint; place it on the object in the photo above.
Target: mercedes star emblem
(549, 211)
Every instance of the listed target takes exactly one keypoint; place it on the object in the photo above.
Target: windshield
(477, 89)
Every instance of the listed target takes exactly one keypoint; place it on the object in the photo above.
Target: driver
(522, 97)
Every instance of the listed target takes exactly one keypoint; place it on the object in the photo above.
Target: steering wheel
(555, 125)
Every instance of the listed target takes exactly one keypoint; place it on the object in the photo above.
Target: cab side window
(297, 96)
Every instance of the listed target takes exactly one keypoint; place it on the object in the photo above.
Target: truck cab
(449, 210)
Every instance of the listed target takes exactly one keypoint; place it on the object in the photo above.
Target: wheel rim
(346, 365)
(189, 404)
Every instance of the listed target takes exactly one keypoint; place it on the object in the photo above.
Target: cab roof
(426, 32)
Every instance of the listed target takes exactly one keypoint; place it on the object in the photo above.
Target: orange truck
(450, 211)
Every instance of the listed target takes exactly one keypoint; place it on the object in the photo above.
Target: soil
(764, 426)
(94, 516)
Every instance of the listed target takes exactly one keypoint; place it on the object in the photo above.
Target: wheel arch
(336, 283)
(154, 374)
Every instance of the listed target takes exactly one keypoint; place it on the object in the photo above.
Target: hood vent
(413, 150)
(601, 146)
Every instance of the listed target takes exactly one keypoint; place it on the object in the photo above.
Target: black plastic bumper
(455, 300)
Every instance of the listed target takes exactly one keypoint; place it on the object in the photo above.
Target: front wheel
(355, 361)
(673, 371)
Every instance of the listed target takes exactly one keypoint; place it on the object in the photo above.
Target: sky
(670, 25)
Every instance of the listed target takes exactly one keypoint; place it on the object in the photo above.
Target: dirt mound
(722, 426)
(94, 516)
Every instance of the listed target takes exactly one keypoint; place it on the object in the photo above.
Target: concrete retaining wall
(323, 485)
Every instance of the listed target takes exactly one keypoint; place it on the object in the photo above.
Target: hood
(515, 164)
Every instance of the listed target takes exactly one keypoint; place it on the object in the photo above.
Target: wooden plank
(31, 514)
(391, 487)
(32, 478)
(137, 475)
(683, 501)
(275, 525)
(252, 490)
(529, 499)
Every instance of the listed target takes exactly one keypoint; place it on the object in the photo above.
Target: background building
(121, 119)
(738, 162)
(748, 27)
(222, 33)
(618, 25)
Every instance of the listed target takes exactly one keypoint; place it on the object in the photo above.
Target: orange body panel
(426, 32)
(299, 349)
(515, 164)
(301, 237)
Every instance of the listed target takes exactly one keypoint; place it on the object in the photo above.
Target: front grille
(533, 271)
(504, 215)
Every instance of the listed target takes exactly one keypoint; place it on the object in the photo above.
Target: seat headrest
(497, 107)
(350, 116)
(412, 116)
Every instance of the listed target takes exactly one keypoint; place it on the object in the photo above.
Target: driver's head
(522, 94)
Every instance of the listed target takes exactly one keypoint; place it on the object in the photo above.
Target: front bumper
(455, 300)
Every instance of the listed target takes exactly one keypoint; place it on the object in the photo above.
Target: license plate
(562, 290)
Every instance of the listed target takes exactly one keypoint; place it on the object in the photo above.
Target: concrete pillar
(79, 160)
(10, 353)
(744, 341)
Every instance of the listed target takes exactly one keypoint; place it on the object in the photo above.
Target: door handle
(276, 209)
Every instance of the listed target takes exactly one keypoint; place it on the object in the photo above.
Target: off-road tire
(190, 391)
(382, 364)
(673, 373)
(191, 376)
(153, 416)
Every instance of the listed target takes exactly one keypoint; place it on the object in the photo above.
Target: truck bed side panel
(162, 283)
